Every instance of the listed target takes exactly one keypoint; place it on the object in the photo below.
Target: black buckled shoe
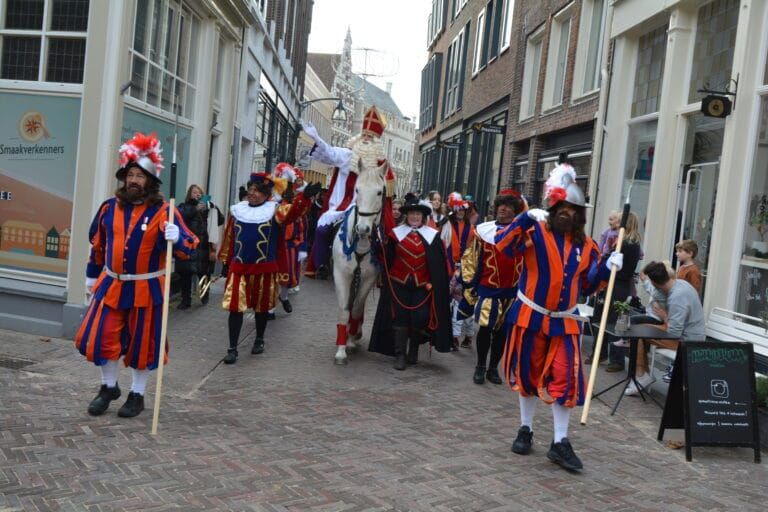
(523, 441)
(101, 403)
(562, 453)
(231, 357)
(258, 346)
(133, 406)
(493, 376)
(287, 305)
(479, 376)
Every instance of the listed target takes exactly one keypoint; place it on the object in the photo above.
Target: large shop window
(485, 148)
(641, 147)
(38, 155)
(651, 54)
(43, 40)
(713, 50)
(164, 56)
(752, 298)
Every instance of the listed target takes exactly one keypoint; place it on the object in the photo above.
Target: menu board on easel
(712, 396)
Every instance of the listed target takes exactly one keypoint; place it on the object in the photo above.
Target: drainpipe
(602, 111)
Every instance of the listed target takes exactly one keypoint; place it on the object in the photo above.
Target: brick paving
(289, 431)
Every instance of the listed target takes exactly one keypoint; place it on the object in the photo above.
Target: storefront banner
(134, 121)
(38, 159)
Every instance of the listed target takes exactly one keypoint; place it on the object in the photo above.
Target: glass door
(697, 188)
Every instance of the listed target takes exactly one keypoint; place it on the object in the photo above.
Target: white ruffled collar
(403, 230)
(244, 212)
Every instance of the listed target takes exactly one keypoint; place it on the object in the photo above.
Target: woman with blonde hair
(624, 286)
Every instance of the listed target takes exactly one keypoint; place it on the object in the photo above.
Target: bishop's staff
(604, 316)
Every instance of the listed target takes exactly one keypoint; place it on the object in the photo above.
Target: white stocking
(283, 293)
(109, 373)
(139, 383)
(561, 415)
(527, 410)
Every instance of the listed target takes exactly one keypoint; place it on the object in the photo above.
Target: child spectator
(463, 330)
(610, 236)
(688, 270)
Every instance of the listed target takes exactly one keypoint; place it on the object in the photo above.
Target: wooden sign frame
(677, 414)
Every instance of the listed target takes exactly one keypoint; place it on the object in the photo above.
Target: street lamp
(340, 113)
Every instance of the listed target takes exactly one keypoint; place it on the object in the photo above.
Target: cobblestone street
(288, 430)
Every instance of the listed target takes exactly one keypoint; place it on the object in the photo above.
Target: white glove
(171, 232)
(89, 282)
(302, 256)
(617, 260)
(538, 214)
(310, 130)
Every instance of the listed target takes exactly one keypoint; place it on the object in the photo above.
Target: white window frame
(191, 19)
(479, 37)
(559, 20)
(582, 50)
(458, 5)
(45, 34)
(505, 31)
(531, 73)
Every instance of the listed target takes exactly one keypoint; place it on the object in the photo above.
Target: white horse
(354, 273)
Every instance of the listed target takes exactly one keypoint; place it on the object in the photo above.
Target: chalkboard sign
(712, 396)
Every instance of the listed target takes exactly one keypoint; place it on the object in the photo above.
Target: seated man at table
(684, 317)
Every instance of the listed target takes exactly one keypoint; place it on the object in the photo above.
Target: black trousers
(493, 340)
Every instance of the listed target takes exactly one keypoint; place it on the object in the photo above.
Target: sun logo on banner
(32, 127)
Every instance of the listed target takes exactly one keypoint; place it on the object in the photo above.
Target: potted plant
(622, 309)
(759, 221)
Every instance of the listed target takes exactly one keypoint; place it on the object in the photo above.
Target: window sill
(526, 120)
(554, 109)
(42, 87)
(590, 95)
(146, 108)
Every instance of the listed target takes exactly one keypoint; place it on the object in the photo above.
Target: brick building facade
(465, 96)
(523, 89)
(555, 91)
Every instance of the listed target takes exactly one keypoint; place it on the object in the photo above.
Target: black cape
(382, 340)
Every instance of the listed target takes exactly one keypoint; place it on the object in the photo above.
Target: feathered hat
(285, 171)
(413, 204)
(299, 173)
(143, 151)
(456, 202)
(561, 186)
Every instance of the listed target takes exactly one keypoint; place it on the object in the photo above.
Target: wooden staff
(604, 318)
(166, 296)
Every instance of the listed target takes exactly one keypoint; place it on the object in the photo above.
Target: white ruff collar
(403, 230)
(487, 231)
(243, 212)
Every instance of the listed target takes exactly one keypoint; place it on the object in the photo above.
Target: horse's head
(369, 192)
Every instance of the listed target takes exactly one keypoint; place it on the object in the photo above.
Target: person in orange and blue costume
(490, 284)
(126, 275)
(542, 359)
(250, 252)
(292, 251)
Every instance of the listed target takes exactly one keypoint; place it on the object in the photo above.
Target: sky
(395, 29)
